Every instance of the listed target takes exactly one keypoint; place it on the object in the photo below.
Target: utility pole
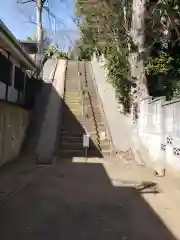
(39, 33)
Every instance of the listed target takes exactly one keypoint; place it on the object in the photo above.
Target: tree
(104, 27)
(39, 36)
(46, 39)
(81, 50)
(137, 40)
(162, 41)
(52, 50)
(40, 6)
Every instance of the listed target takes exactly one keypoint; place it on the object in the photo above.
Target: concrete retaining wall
(14, 122)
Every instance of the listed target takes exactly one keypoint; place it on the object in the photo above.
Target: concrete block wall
(159, 131)
(14, 122)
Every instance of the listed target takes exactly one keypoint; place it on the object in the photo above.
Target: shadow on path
(77, 201)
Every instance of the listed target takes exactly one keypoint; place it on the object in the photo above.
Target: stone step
(73, 139)
(105, 142)
(105, 147)
(67, 114)
(77, 145)
(91, 116)
(64, 153)
(76, 112)
(106, 153)
(96, 128)
(92, 129)
(73, 104)
(77, 108)
(73, 124)
(95, 107)
(101, 129)
(74, 93)
(71, 97)
(67, 138)
(92, 134)
(72, 134)
(73, 101)
(71, 129)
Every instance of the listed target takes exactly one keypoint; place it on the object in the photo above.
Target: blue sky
(16, 17)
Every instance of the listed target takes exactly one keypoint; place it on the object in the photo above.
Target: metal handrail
(82, 97)
(102, 110)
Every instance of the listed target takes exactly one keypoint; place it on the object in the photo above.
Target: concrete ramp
(120, 126)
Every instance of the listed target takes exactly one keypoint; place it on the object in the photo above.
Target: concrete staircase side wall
(120, 126)
(46, 143)
(41, 102)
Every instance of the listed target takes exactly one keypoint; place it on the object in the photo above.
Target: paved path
(94, 199)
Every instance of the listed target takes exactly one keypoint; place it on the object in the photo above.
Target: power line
(53, 21)
(49, 18)
(52, 14)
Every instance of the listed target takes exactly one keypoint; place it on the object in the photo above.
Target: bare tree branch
(43, 1)
(28, 1)
(31, 21)
(23, 2)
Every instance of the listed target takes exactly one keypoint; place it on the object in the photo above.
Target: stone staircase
(79, 117)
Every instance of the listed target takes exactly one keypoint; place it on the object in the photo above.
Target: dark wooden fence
(26, 84)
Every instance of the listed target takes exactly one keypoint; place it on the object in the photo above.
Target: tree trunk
(138, 38)
(39, 31)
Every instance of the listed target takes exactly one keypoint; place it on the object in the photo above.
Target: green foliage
(53, 51)
(82, 51)
(162, 28)
(161, 64)
(163, 73)
(62, 55)
(104, 30)
(176, 88)
(50, 51)
(162, 16)
(118, 71)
